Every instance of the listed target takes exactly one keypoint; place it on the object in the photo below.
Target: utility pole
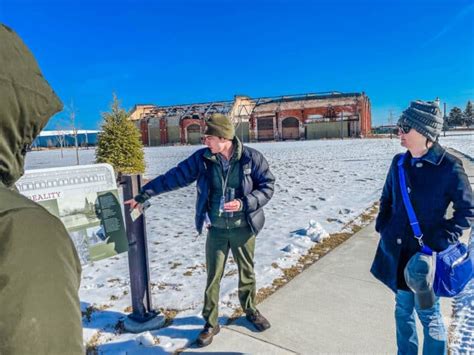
(390, 122)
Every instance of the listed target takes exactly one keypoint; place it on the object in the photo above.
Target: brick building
(307, 116)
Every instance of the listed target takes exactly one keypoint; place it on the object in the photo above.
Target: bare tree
(61, 136)
(72, 121)
(61, 139)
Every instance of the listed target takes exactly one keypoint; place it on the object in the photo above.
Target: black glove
(141, 197)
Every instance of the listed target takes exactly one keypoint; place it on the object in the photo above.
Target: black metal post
(137, 255)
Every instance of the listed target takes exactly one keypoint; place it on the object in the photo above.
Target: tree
(468, 114)
(445, 124)
(455, 117)
(61, 141)
(119, 143)
(61, 129)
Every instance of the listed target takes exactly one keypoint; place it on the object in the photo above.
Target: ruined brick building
(292, 117)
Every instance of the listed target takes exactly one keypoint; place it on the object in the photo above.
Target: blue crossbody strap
(409, 207)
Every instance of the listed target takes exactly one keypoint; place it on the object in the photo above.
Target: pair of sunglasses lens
(404, 128)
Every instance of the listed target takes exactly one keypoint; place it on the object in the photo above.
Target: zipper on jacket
(245, 167)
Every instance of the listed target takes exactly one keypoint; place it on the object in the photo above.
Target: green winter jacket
(39, 268)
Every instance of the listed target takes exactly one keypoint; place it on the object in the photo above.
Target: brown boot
(259, 322)
(206, 335)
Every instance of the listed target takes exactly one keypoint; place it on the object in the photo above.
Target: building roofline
(310, 96)
(267, 99)
(66, 132)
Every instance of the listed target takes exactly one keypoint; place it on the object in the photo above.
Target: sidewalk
(334, 306)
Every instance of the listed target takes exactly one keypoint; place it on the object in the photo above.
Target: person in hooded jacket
(434, 178)
(39, 267)
(233, 222)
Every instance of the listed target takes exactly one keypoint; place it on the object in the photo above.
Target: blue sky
(171, 52)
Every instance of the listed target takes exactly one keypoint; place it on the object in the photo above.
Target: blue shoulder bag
(454, 266)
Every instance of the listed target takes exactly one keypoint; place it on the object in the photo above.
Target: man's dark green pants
(242, 243)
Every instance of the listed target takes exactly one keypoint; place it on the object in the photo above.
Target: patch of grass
(93, 343)
(175, 265)
(263, 293)
(231, 273)
(279, 282)
(87, 314)
(369, 215)
(236, 315)
(197, 266)
(290, 272)
(169, 314)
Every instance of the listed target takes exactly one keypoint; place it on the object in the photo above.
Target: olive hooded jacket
(39, 268)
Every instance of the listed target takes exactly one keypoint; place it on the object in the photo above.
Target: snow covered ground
(461, 141)
(331, 182)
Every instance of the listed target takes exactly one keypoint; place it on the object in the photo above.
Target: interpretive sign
(85, 198)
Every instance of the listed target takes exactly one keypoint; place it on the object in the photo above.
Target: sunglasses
(404, 128)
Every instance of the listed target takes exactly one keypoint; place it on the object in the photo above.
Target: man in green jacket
(39, 268)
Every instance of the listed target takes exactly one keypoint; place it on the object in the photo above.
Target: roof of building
(183, 110)
(204, 109)
(310, 96)
(66, 132)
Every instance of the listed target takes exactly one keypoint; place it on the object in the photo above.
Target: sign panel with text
(85, 198)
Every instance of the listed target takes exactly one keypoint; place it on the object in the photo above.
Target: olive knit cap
(220, 126)
(425, 117)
